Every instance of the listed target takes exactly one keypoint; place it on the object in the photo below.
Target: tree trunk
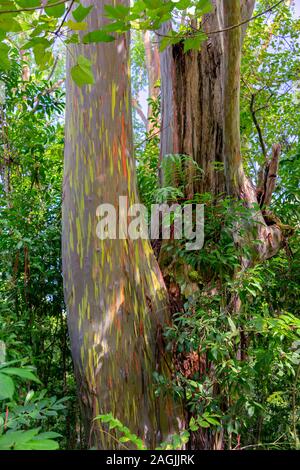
(201, 113)
(192, 101)
(153, 72)
(114, 292)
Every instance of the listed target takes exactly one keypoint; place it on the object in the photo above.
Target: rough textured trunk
(114, 292)
(192, 107)
(201, 113)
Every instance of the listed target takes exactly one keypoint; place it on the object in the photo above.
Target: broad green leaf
(214, 421)
(117, 26)
(28, 396)
(204, 6)
(37, 444)
(37, 41)
(182, 4)
(73, 39)
(119, 12)
(153, 4)
(28, 3)
(81, 12)
(194, 42)
(203, 424)
(232, 325)
(76, 26)
(7, 387)
(42, 57)
(12, 439)
(47, 435)
(176, 441)
(97, 36)
(168, 41)
(22, 373)
(4, 59)
(82, 73)
(193, 425)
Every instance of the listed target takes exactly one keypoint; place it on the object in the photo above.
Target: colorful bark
(114, 292)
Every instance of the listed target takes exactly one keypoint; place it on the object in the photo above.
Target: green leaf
(81, 12)
(9, 24)
(117, 26)
(153, 4)
(76, 26)
(97, 36)
(55, 11)
(35, 42)
(176, 441)
(36, 444)
(42, 57)
(47, 435)
(183, 4)
(168, 41)
(7, 387)
(203, 424)
(232, 325)
(213, 421)
(4, 59)
(82, 73)
(204, 6)
(22, 373)
(193, 425)
(17, 439)
(194, 42)
(28, 3)
(73, 39)
(29, 396)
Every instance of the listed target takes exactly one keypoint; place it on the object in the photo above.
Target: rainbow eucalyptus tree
(115, 295)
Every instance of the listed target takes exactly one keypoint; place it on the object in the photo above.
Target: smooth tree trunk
(114, 292)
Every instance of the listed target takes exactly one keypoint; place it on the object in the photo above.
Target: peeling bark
(114, 292)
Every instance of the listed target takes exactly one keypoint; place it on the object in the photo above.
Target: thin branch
(64, 18)
(140, 112)
(40, 7)
(52, 70)
(229, 28)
